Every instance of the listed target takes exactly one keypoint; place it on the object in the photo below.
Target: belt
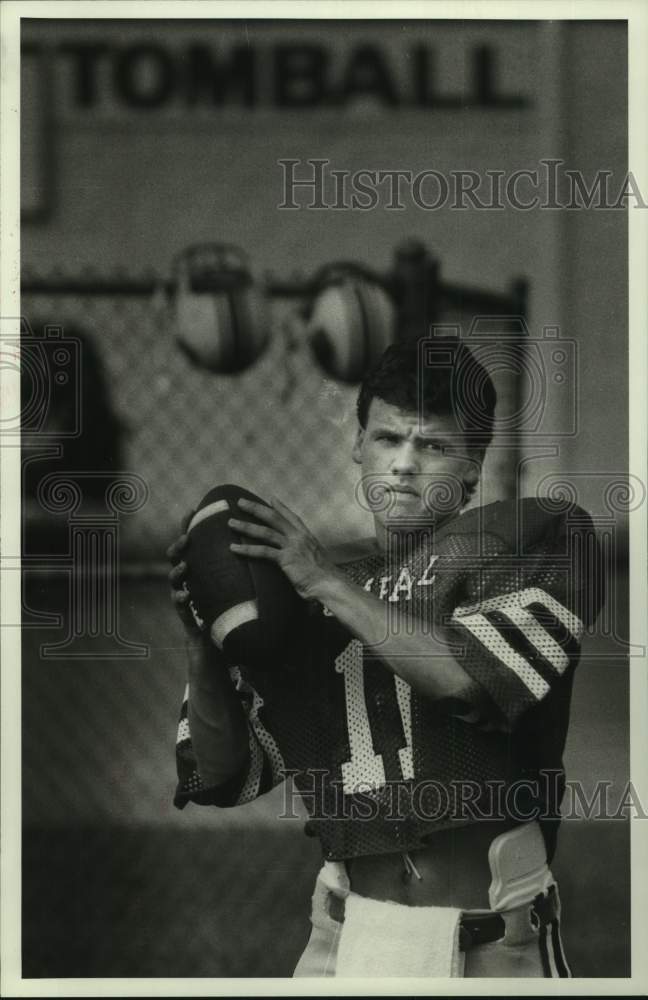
(475, 928)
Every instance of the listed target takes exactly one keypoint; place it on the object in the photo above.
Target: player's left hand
(284, 538)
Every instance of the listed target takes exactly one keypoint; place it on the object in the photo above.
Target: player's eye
(434, 446)
(387, 437)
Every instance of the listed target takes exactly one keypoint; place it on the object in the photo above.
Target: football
(249, 606)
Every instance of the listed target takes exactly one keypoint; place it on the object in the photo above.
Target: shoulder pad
(518, 525)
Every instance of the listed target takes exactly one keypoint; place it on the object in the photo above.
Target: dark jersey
(511, 589)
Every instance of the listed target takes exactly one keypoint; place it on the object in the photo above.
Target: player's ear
(356, 452)
(472, 471)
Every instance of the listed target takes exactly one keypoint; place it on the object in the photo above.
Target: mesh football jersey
(511, 588)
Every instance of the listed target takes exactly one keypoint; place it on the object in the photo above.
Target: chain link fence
(279, 427)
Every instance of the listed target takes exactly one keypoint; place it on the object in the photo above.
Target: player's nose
(405, 460)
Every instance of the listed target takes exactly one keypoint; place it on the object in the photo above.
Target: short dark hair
(451, 382)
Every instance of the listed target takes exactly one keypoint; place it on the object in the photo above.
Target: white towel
(389, 939)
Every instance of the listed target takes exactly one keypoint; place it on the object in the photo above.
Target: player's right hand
(180, 596)
(201, 652)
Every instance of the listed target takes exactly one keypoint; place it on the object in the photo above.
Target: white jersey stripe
(515, 606)
(495, 643)
(538, 636)
(524, 598)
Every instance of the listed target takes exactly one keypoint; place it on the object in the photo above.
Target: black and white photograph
(323, 435)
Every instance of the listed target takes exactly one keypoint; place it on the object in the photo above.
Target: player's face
(412, 467)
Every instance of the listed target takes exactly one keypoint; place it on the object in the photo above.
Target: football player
(423, 710)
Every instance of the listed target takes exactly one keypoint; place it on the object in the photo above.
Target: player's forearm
(216, 719)
(401, 642)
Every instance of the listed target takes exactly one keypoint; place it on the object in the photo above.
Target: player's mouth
(402, 489)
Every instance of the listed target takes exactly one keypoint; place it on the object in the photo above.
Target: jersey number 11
(365, 768)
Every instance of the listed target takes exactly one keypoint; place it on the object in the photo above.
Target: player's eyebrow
(418, 436)
(383, 429)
